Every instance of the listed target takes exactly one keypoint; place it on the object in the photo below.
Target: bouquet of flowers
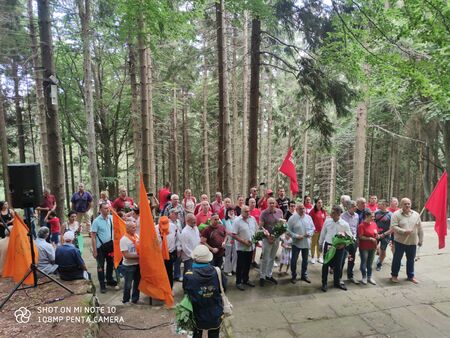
(277, 230)
(340, 239)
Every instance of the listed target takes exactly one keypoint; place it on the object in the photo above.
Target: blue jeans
(410, 251)
(367, 257)
(188, 265)
(295, 252)
(132, 276)
(55, 237)
(177, 268)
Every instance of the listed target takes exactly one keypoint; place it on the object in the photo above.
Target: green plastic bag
(184, 315)
(80, 243)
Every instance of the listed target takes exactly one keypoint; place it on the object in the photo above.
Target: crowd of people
(199, 235)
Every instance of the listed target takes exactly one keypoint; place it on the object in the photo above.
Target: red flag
(288, 168)
(437, 205)
(18, 256)
(154, 280)
(119, 229)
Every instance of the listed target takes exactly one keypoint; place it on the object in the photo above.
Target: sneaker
(320, 260)
(313, 261)
(240, 287)
(324, 288)
(272, 280)
(364, 280)
(378, 268)
(111, 283)
(372, 281)
(341, 286)
(126, 303)
(229, 274)
(103, 289)
(249, 284)
(275, 265)
(394, 279)
(353, 280)
(261, 282)
(255, 265)
(305, 279)
(413, 280)
(293, 280)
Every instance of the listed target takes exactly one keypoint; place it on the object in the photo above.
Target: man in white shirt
(332, 227)
(301, 229)
(173, 241)
(189, 239)
(244, 228)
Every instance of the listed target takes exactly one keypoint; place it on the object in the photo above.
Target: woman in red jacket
(318, 215)
(368, 235)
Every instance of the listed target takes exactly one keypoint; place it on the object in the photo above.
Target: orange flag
(18, 256)
(119, 229)
(154, 280)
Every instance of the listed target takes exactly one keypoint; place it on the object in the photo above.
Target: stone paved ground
(384, 310)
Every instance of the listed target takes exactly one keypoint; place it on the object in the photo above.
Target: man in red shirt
(164, 193)
(218, 203)
(123, 202)
(214, 237)
(198, 207)
(373, 205)
(48, 204)
(204, 214)
(263, 204)
(254, 211)
(226, 205)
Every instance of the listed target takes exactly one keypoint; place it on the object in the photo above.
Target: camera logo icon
(22, 315)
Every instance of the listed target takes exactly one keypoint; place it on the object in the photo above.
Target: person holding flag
(129, 246)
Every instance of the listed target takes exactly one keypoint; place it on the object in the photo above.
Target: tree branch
(280, 68)
(280, 59)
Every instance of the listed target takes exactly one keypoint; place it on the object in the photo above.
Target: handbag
(108, 247)
(227, 306)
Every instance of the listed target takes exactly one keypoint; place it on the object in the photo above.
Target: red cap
(269, 191)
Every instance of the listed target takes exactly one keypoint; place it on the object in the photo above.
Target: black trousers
(294, 258)
(213, 333)
(244, 260)
(217, 261)
(335, 263)
(101, 259)
(350, 254)
(169, 266)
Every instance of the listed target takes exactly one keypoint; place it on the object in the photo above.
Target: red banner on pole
(437, 205)
(288, 168)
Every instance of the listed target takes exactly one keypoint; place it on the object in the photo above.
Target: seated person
(4, 248)
(46, 262)
(70, 264)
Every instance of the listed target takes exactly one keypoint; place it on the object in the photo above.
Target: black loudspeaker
(25, 185)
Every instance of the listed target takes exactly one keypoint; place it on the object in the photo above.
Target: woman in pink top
(318, 215)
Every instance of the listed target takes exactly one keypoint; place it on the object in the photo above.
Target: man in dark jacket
(202, 286)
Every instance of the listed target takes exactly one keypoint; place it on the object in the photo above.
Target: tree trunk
(174, 150)
(52, 119)
(84, 11)
(360, 150)
(135, 117)
(39, 92)
(30, 120)
(333, 181)
(4, 149)
(66, 174)
(313, 174)
(244, 164)
(185, 136)
(72, 173)
(269, 132)
(222, 184)
(254, 103)
(143, 74)
(446, 134)
(206, 174)
(235, 138)
(18, 109)
(305, 150)
(151, 126)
